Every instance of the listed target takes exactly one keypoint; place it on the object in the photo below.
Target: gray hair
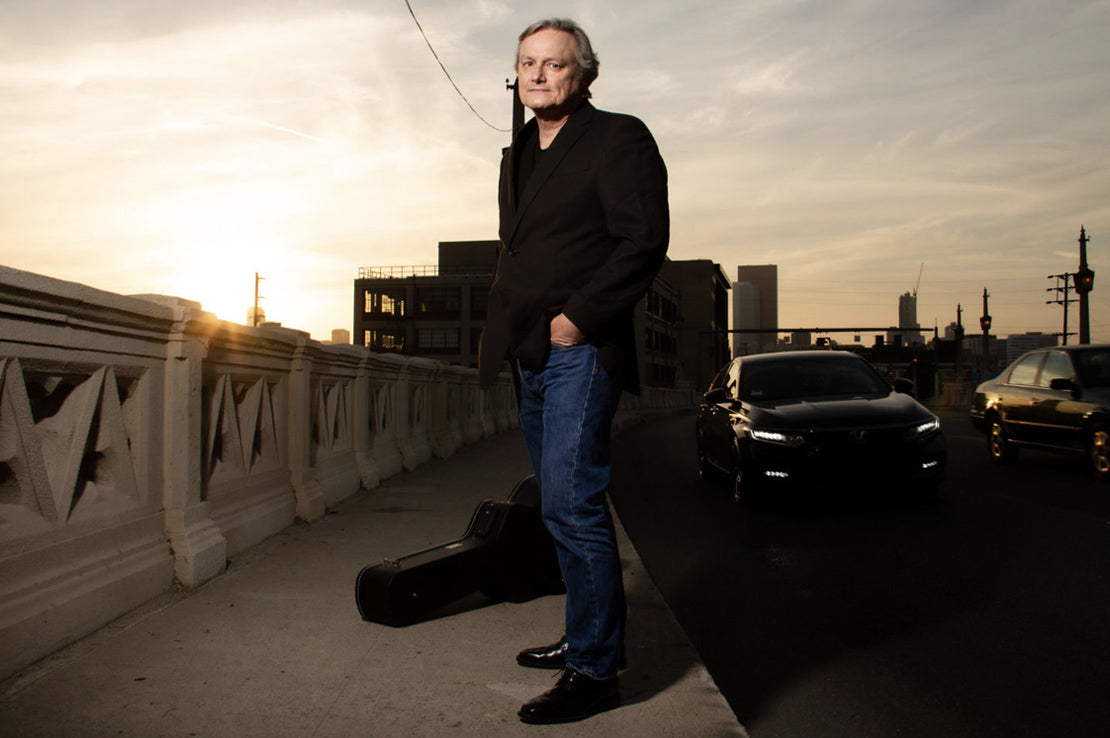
(584, 57)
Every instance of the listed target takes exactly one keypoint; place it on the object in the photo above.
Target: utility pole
(1065, 301)
(985, 324)
(518, 106)
(959, 350)
(254, 315)
(1084, 283)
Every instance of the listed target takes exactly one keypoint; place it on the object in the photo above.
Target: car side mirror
(716, 396)
(904, 386)
(1063, 383)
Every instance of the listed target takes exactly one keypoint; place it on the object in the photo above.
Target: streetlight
(1084, 283)
(985, 325)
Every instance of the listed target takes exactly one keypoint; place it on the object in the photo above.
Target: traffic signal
(1084, 281)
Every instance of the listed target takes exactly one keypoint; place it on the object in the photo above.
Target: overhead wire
(449, 79)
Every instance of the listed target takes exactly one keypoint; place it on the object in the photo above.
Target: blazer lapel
(575, 127)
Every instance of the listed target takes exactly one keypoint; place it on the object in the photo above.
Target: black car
(816, 419)
(1054, 398)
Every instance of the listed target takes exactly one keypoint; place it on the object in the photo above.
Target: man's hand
(564, 332)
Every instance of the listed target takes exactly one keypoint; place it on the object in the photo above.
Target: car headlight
(783, 439)
(925, 429)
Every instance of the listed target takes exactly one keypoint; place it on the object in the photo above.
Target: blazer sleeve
(632, 186)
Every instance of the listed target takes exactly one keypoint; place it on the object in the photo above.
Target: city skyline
(179, 149)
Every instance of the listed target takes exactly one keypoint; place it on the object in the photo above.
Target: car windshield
(805, 378)
(1093, 367)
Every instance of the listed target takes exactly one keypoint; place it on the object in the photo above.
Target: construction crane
(919, 271)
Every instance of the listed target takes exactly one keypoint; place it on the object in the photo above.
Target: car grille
(877, 451)
(856, 438)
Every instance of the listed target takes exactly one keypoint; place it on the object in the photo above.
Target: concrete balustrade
(143, 442)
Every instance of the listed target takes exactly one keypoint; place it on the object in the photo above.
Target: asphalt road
(983, 613)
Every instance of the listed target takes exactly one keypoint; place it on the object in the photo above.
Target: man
(584, 228)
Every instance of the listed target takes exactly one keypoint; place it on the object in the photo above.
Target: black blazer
(586, 238)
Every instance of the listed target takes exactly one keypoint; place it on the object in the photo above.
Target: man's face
(547, 73)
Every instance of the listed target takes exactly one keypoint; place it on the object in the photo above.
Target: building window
(437, 339)
(479, 301)
(657, 341)
(384, 340)
(660, 376)
(439, 301)
(384, 303)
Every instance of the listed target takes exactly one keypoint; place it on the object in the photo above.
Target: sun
(220, 239)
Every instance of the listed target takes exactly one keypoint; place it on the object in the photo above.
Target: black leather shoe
(574, 697)
(552, 657)
(545, 657)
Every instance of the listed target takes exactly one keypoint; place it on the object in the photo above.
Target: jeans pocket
(579, 357)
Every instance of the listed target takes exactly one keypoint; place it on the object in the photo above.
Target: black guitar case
(506, 553)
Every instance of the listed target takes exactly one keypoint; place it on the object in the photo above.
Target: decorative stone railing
(143, 441)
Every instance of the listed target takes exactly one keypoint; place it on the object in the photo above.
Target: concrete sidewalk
(275, 647)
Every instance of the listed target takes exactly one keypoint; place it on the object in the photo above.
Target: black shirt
(530, 156)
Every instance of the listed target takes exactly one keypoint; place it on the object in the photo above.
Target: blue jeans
(566, 410)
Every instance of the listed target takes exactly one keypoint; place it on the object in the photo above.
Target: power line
(441, 66)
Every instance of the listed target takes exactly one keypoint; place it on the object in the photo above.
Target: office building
(339, 336)
(433, 311)
(439, 311)
(702, 288)
(755, 307)
(657, 331)
(1018, 343)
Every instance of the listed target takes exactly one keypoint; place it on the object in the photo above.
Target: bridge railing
(143, 442)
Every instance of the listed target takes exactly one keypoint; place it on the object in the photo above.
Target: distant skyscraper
(909, 330)
(755, 304)
(907, 311)
(1018, 344)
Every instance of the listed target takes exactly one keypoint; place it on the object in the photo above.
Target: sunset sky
(150, 146)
